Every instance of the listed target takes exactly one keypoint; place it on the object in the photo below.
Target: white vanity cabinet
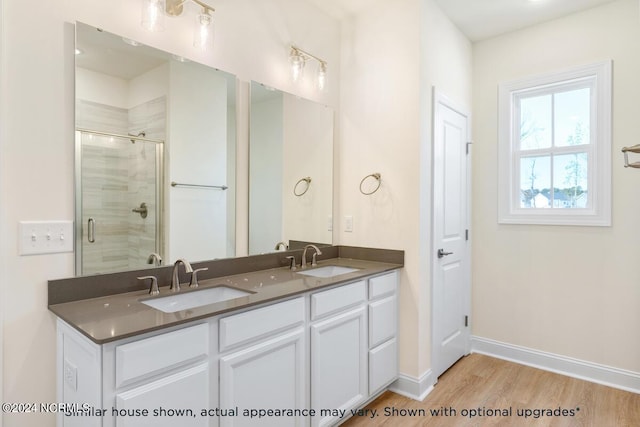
(162, 379)
(329, 350)
(263, 363)
(338, 351)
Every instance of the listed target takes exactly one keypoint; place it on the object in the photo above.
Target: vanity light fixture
(153, 12)
(299, 58)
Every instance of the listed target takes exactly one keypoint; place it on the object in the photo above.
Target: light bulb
(322, 76)
(297, 65)
(203, 31)
(153, 15)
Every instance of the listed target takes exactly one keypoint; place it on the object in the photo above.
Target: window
(555, 148)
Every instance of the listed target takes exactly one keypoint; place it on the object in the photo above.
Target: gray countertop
(113, 317)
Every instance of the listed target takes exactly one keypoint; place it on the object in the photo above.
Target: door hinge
(466, 321)
(468, 145)
(466, 234)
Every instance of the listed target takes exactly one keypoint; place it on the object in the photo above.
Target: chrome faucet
(154, 259)
(313, 258)
(175, 281)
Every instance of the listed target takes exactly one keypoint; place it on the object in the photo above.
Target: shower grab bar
(177, 184)
(118, 135)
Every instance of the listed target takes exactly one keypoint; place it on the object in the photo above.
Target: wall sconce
(154, 11)
(298, 59)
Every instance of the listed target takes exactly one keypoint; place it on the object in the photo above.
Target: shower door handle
(91, 230)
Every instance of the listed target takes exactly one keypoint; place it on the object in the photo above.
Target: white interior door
(451, 256)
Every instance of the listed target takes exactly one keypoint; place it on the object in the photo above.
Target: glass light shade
(203, 32)
(153, 15)
(322, 76)
(297, 65)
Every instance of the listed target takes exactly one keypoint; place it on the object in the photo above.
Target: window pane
(535, 122)
(570, 180)
(572, 117)
(535, 182)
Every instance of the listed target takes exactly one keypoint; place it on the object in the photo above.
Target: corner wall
(393, 53)
(570, 291)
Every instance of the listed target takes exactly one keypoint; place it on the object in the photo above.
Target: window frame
(597, 76)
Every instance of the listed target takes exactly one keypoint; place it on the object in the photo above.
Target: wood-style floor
(478, 383)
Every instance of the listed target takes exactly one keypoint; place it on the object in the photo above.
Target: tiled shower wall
(117, 176)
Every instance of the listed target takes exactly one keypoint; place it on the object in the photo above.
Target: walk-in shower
(118, 200)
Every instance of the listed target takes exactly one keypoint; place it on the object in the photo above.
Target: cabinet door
(270, 375)
(338, 365)
(176, 395)
(382, 320)
(383, 365)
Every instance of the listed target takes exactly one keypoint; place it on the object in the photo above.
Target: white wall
(102, 88)
(265, 177)
(3, 264)
(393, 53)
(197, 154)
(571, 291)
(307, 152)
(36, 146)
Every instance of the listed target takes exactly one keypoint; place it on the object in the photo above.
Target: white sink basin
(187, 300)
(328, 271)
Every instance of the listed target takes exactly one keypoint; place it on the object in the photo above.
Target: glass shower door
(118, 206)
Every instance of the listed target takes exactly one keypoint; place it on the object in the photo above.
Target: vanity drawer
(149, 356)
(337, 299)
(260, 323)
(383, 285)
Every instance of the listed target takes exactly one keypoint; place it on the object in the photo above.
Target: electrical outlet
(70, 375)
(45, 237)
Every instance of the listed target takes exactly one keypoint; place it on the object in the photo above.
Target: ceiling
(109, 54)
(481, 19)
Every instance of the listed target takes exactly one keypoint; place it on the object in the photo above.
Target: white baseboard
(413, 388)
(588, 371)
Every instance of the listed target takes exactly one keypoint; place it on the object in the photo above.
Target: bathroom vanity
(297, 350)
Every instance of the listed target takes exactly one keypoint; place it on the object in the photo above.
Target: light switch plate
(45, 237)
(348, 223)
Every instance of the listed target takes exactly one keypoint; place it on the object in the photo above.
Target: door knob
(442, 253)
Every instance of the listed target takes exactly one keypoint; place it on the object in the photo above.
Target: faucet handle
(194, 277)
(292, 263)
(153, 289)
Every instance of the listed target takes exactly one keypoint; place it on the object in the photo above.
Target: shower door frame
(159, 163)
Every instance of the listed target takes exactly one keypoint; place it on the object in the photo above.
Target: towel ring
(377, 176)
(307, 180)
(626, 150)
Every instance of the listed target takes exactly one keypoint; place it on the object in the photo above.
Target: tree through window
(555, 148)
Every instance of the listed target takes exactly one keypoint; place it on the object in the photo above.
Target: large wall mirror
(155, 156)
(290, 171)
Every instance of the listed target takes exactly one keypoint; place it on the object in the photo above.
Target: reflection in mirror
(146, 118)
(290, 171)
